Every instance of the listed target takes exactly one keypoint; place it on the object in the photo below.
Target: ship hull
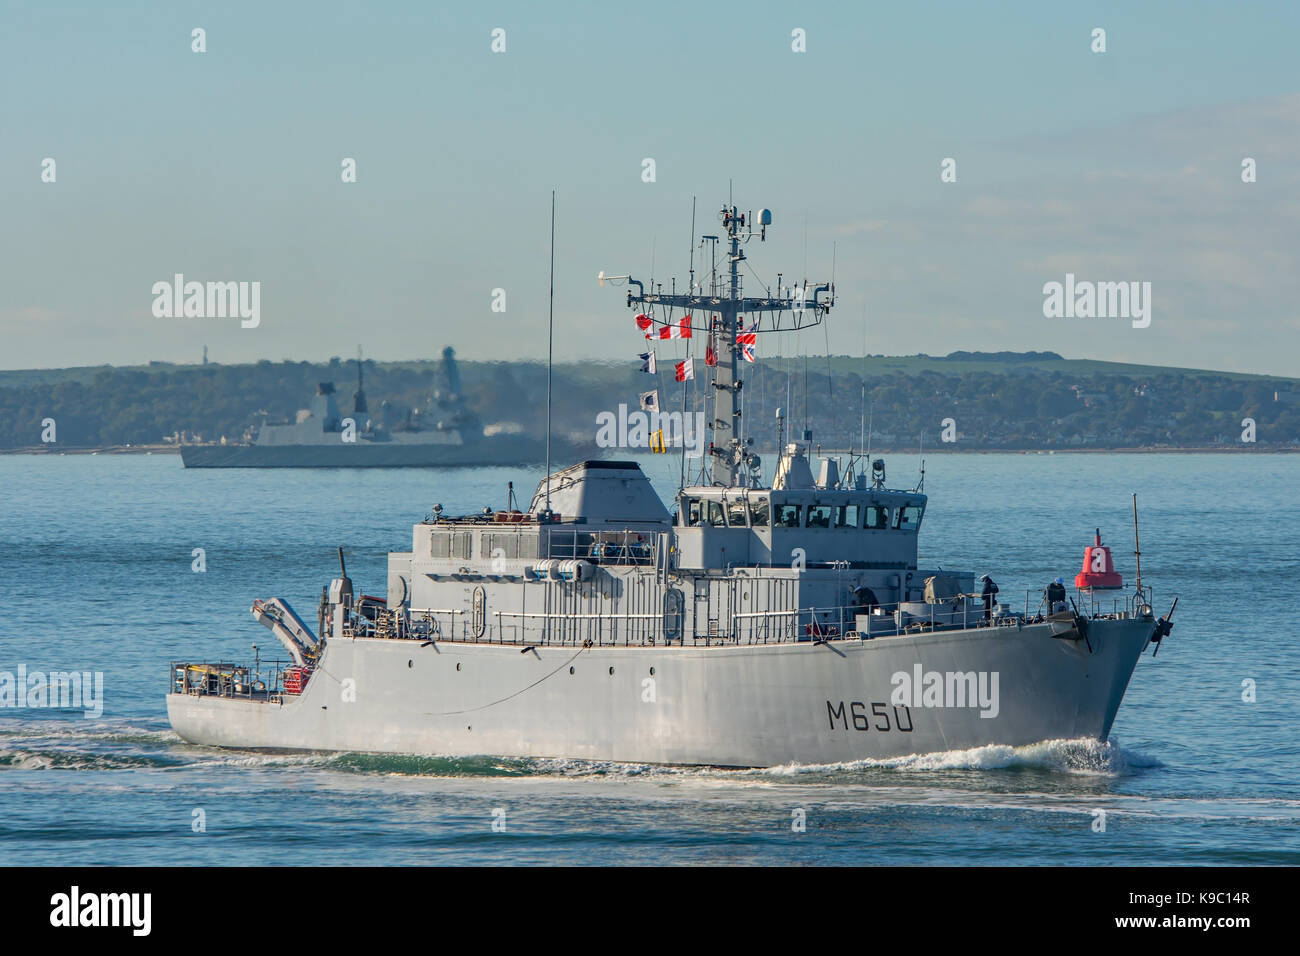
(367, 455)
(738, 706)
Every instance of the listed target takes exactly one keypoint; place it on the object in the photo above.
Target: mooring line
(452, 713)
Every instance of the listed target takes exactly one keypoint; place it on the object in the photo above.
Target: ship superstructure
(445, 434)
(744, 624)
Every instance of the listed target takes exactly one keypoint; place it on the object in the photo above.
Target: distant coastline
(169, 449)
(987, 402)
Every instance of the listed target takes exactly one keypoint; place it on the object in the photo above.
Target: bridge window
(736, 513)
(819, 516)
(909, 518)
(787, 516)
(846, 516)
(440, 545)
(877, 517)
(716, 516)
(693, 512)
(758, 512)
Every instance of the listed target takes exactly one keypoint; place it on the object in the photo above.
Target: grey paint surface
(747, 705)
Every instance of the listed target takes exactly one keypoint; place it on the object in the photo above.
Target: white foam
(1082, 756)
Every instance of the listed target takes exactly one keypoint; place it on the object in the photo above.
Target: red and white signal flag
(682, 330)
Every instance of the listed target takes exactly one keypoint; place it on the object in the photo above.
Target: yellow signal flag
(657, 444)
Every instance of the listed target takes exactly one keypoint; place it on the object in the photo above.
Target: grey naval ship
(749, 624)
(323, 437)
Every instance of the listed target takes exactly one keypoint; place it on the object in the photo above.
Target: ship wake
(1085, 756)
(110, 745)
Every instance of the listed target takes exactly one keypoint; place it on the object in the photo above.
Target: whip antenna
(550, 355)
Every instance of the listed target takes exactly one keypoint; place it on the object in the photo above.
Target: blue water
(95, 575)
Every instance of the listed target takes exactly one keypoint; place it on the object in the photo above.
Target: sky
(226, 165)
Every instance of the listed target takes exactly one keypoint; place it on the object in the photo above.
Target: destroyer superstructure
(445, 434)
(751, 624)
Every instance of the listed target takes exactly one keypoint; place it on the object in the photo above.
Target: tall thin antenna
(681, 474)
(920, 485)
(805, 391)
(861, 440)
(550, 357)
(871, 421)
(862, 420)
(789, 405)
(681, 477)
(1137, 547)
(692, 288)
(830, 376)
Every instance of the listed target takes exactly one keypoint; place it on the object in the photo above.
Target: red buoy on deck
(1098, 572)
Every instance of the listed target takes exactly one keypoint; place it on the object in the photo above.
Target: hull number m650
(853, 714)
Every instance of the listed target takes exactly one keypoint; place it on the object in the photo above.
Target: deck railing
(600, 547)
(263, 680)
(773, 626)
(671, 624)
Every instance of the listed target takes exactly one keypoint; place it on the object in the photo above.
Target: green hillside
(994, 400)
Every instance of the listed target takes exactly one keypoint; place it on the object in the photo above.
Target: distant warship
(324, 438)
(753, 624)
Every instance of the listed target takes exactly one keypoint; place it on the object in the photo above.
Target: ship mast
(723, 311)
(359, 399)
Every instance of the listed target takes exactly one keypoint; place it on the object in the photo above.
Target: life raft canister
(295, 679)
(1098, 572)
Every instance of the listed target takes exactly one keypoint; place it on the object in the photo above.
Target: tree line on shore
(1008, 405)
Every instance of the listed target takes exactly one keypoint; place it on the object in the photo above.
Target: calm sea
(95, 575)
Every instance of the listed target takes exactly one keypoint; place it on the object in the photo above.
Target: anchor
(1163, 627)
(1081, 625)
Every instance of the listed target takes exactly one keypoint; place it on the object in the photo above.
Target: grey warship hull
(323, 438)
(362, 454)
(746, 706)
(754, 625)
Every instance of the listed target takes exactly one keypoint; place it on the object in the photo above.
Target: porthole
(652, 672)
(457, 667)
(570, 670)
(410, 663)
(611, 672)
